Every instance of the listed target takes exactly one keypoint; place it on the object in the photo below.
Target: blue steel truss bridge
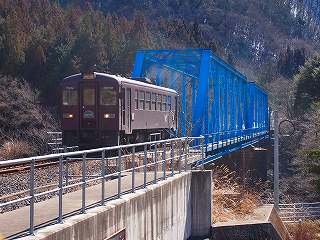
(216, 100)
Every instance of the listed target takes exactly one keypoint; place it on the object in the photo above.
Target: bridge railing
(55, 140)
(294, 212)
(155, 161)
(219, 140)
(55, 143)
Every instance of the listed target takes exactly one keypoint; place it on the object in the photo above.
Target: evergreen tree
(290, 61)
(308, 85)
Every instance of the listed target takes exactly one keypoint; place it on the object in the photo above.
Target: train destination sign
(88, 114)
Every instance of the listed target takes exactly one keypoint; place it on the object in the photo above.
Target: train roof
(125, 80)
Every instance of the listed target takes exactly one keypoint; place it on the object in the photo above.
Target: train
(100, 109)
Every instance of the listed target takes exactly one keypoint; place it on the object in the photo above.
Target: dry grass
(231, 200)
(15, 149)
(306, 230)
(22, 119)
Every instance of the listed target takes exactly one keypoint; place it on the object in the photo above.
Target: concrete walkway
(18, 220)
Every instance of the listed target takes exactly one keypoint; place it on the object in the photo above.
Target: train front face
(90, 111)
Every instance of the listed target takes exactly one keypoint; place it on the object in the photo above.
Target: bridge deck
(17, 220)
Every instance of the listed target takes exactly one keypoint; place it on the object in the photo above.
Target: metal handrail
(84, 181)
(303, 204)
(292, 212)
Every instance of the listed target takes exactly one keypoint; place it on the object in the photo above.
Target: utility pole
(276, 161)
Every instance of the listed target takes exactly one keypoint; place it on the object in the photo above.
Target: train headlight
(109, 115)
(68, 116)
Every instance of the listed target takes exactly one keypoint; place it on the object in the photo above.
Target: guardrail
(219, 144)
(55, 143)
(65, 149)
(164, 158)
(294, 212)
(240, 134)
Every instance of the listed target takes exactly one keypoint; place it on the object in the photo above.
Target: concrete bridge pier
(255, 161)
(251, 162)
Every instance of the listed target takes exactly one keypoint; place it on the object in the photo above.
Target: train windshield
(69, 96)
(108, 96)
(89, 96)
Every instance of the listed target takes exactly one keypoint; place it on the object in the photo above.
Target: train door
(88, 106)
(128, 104)
(123, 109)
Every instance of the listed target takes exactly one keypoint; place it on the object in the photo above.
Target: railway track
(25, 167)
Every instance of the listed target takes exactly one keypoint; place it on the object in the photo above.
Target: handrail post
(180, 155)
(202, 152)
(172, 157)
(83, 208)
(276, 161)
(206, 137)
(186, 154)
(145, 166)
(32, 167)
(133, 169)
(155, 163)
(164, 160)
(67, 172)
(60, 188)
(212, 141)
(119, 172)
(103, 174)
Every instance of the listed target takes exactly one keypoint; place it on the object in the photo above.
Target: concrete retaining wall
(167, 210)
(201, 196)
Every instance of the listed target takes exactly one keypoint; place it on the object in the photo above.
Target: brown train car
(105, 110)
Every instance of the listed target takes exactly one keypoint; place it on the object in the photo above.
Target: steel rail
(69, 154)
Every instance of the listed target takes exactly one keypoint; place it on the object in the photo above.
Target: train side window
(164, 103)
(154, 102)
(69, 96)
(136, 99)
(148, 101)
(141, 100)
(169, 103)
(108, 96)
(159, 104)
(89, 96)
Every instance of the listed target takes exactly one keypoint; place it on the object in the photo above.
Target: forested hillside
(41, 41)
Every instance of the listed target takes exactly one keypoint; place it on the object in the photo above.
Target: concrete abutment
(251, 162)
